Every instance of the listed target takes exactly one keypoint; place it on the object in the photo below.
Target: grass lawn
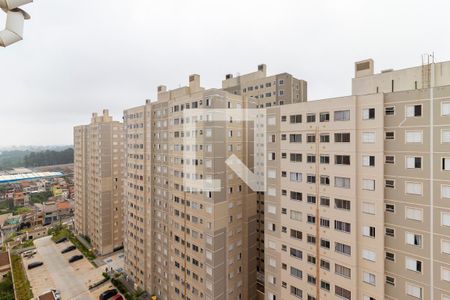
(6, 288)
(23, 288)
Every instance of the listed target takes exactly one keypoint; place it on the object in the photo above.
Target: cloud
(82, 56)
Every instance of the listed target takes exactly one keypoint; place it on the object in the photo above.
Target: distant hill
(26, 158)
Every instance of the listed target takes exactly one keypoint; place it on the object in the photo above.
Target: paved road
(61, 273)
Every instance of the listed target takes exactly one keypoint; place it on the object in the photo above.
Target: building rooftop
(27, 176)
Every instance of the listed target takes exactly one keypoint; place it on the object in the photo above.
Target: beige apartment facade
(183, 242)
(357, 203)
(98, 182)
(357, 198)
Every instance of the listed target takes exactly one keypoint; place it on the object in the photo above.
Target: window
(389, 232)
(324, 180)
(413, 188)
(311, 219)
(324, 285)
(445, 246)
(342, 137)
(342, 271)
(368, 113)
(341, 292)
(310, 158)
(445, 191)
(271, 209)
(342, 159)
(413, 162)
(368, 184)
(445, 219)
(295, 119)
(311, 239)
(413, 264)
(295, 138)
(311, 118)
(389, 159)
(368, 231)
(390, 280)
(414, 136)
(324, 223)
(296, 215)
(413, 290)
(325, 138)
(445, 136)
(342, 182)
(311, 279)
(324, 201)
(389, 110)
(310, 138)
(368, 137)
(369, 255)
(311, 199)
(295, 177)
(324, 243)
(368, 208)
(283, 118)
(445, 108)
(342, 115)
(413, 110)
(369, 278)
(390, 256)
(296, 272)
(389, 183)
(296, 234)
(310, 178)
(413, 239)
(445, 274)
(296, 253)
(342, 226)
(446, 163)
(342, 204)
(296, 196)
(324, 159)
(368, 161)
(324, 116)
(296, 157)
(342, 248)
(413, 213)
(389, 135)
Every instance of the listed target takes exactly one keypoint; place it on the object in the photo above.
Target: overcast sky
(81, 56)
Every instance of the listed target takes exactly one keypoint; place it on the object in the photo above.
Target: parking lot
(72, 279)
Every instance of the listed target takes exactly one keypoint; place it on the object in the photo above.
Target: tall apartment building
(266, 90)
(98, 166)
(358, 197)
(182, 242)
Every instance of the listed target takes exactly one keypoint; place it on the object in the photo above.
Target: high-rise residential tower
(361, 202)
(98, 182)
(181, 241)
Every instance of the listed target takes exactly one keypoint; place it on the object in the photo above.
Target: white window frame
(368, 137)
(443, 213)
(445, 191)
(443, 103)
(416, 210)
(414, 131)
(445, 133)
(412, 182)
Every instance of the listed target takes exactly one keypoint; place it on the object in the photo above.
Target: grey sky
(82, 56)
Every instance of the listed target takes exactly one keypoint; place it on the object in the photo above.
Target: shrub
(21, 283)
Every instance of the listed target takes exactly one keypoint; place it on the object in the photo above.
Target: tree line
(48, 158)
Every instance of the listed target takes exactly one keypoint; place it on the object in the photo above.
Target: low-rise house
(36, 233)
